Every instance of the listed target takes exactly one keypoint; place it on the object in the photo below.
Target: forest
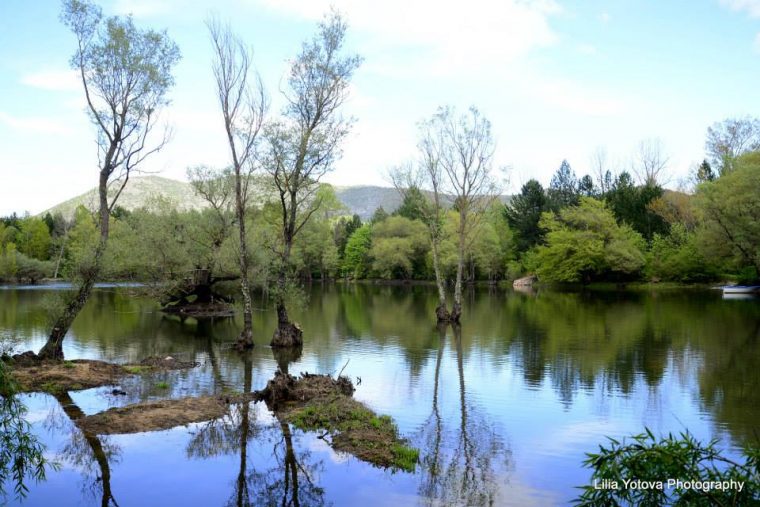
(606, 227)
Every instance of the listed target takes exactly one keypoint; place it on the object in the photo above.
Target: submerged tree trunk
(441, 311)
(456, 311)
(287, 333)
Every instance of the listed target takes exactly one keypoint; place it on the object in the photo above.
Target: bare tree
(126, 74)
(650, 162)
(243, 104)
(463, 146)
(600, 169)
(426, 175)
(302, 146)
(731, 138)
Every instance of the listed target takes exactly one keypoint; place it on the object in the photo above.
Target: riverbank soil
(34, 375)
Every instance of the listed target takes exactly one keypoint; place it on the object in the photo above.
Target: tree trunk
(287, 333)
(53, 348)
(441, 311)
(246, 336)
(456, 311)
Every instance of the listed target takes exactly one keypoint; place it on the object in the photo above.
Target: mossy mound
(320, 402)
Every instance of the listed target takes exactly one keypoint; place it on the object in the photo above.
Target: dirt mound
(157, 415)
(58, 376)
(283, 389)
(320, 402)
(35, 375)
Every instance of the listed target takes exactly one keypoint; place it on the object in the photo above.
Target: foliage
(399, 247)
(21, 454)
(356, 261)
(730, 211)
(630, 204)
(523, 214)
(563, 188)
(647, 458)
(677, 257)
(584, 243)
(33, 238)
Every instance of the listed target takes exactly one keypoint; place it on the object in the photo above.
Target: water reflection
(461, 463)
(87, 452)
(523, 367)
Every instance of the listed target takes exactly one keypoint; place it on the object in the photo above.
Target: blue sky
(558, 79)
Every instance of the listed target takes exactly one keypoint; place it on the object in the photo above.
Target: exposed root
(287, 335)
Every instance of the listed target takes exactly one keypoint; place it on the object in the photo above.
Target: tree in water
(126, 74)
(463, 146)
(408, 180)
(302, 146)
(243, 104)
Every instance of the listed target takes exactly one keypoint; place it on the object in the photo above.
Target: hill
(362, 200)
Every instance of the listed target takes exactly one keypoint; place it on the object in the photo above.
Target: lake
(502, 411)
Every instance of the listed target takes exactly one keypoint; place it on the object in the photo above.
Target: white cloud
(604, 17)
(752, 7)
(54, 80)
(34, 124)
(451, 36)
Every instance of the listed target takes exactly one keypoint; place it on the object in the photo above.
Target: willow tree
(463, 146)
(243, 105)
(302, 146)
(126, 73)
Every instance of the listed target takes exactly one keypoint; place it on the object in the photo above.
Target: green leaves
(585, 243)
(653, 461)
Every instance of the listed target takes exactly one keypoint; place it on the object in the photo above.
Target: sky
(558, 79)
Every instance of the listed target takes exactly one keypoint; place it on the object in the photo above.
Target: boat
(741, 289)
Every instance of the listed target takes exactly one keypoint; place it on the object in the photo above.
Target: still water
(502, 411)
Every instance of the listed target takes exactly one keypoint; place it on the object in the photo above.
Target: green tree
(302, 146)
(631, 205)
(126, 74)
(413, 205)
(678, 257)
(730, 210)
(584, 243)
(399, 248)
(33, 239)
(523, 214)
(563, 188)
(356, 261)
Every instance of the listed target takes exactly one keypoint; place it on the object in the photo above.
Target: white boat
(741, 289)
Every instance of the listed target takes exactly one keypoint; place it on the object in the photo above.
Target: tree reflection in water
(87, 452)
(292, 479)
(460, 463)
